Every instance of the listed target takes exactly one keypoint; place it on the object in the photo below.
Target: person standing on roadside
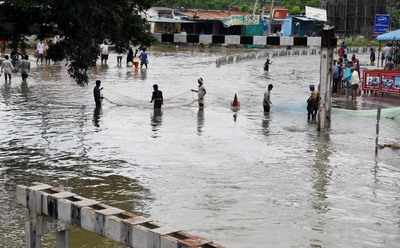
(355, 82)
(347, 74)
(201, 92)
(7, 68)
(372, 56)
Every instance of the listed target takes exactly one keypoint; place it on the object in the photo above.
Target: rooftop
(212, 14)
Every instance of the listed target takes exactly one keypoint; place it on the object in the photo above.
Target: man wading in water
(201, 92)
(25, 68)
(97, 94)
(312, 104)
(157, 97)
(7, 68)
(266, 65)
(267, 99)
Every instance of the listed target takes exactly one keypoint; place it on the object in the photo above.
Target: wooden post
(378, 120)
(329, 42)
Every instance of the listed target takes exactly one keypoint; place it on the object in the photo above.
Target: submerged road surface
(254, 182)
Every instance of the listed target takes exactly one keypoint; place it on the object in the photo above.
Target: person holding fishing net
(201, 92)
(98, 97)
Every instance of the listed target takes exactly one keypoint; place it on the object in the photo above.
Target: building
(211, 22)
(301, 26)
(218, 22)
(353, 17)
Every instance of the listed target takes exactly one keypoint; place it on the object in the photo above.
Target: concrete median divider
(47, 204)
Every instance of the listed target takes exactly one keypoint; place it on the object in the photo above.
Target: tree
(81, 25)
(393, 9)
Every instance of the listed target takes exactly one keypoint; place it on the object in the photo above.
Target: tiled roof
(212, 14)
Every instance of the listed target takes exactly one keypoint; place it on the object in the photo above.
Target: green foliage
(294, 6)
(82, 26)
(360, 41)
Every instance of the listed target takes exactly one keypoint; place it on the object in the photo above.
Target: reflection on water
(156, 122)
(97, 116)
(6, 92)
(265, 123)
(143, 74)
(25, 89)
(321, 174)
(200, 121)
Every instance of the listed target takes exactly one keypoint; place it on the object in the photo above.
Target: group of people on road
(8, 68)
(136, 58)
(346, 74)
(42, 52)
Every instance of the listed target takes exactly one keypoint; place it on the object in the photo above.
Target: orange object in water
(136, 63)
(235, 104)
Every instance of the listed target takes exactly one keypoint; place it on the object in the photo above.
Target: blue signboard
(382, 24)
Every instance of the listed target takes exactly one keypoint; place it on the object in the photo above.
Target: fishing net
(388, 113)
(176, 101)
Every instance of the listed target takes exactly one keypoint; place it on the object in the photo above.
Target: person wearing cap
(157, 97)
(201, 92)
(97, 94)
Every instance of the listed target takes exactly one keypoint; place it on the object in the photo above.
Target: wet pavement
(252, 181)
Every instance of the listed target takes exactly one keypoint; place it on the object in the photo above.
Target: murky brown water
(262, 181)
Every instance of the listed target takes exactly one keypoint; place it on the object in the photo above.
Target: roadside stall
(383, 81)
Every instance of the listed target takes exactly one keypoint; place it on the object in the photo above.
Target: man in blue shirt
(144, 58)
(347, 74)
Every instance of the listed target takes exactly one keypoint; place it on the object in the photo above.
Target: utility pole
(329, 42)
(271, 17)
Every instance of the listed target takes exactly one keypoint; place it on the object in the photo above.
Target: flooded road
(260, 181)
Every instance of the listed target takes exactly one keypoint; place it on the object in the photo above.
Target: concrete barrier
(276, 52)
(46, 203)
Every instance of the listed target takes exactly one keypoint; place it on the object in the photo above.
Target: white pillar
(329, 42)
(33, 231)
(62, 239)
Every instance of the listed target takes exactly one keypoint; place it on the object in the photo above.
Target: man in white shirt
(104, 52)
(387, 52)
(7, 68)
(40, 47)
(355, 82)
(201, 92)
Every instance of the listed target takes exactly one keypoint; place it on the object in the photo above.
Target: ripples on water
(260, 181)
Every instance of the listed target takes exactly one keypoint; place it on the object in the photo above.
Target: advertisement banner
(241, 20)
(382, 24)
(380, 81)
(317, 14)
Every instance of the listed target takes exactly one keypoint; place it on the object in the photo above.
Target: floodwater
(252, 181)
